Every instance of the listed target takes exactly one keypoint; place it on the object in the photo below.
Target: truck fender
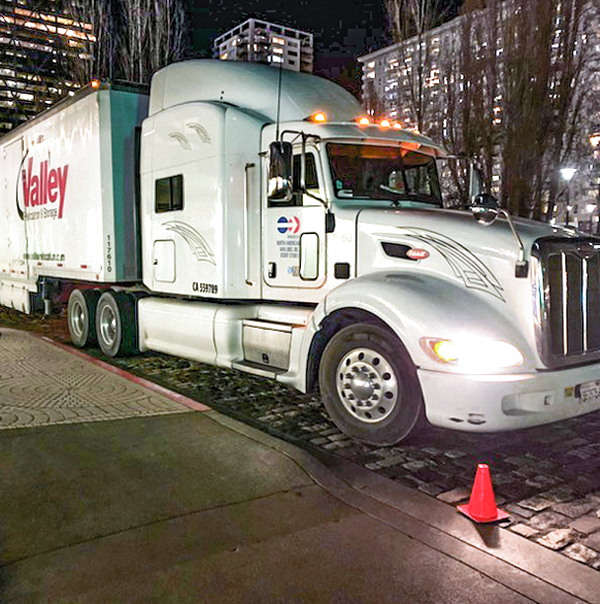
(412, 307)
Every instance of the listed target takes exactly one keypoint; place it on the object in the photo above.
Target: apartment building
(262, 42)
(40, 50)
(391, 75)
(387, 75)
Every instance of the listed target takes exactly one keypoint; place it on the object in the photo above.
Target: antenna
(278, 100)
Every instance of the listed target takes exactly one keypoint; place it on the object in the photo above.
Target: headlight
(473, 354)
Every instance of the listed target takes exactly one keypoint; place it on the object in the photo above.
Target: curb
(174, 396)
(528, 568)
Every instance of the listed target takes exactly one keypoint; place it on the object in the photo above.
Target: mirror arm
(522, 265)
(316, 197)
(471, 178)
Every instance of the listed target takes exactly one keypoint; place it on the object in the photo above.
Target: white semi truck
(248, 218)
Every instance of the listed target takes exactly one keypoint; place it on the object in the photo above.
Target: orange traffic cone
(482, 505)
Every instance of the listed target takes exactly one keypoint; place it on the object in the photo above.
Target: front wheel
(369, 385)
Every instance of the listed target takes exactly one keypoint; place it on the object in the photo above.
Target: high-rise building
(424, 75)
(262, 42)
(41, 53)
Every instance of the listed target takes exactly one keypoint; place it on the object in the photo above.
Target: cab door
(294, 233)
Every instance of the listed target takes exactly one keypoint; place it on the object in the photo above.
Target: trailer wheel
(81, 317)
(116, 324)
(369, 385)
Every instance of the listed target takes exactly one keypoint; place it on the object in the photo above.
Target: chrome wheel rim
(367, 385)
(108, 326)
(77, 319)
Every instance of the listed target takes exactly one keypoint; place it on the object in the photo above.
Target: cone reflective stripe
(482, 505)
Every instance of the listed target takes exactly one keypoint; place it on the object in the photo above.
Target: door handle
(272, 270)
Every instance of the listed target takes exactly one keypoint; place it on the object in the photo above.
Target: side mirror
(475, 181)
(280, 171)
(485, 208)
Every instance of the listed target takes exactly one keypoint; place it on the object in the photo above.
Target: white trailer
(278, 233)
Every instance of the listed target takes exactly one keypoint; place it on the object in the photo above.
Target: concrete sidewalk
(181, 506)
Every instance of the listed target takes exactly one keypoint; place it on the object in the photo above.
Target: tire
(116, 324)
(369, 385)
(81, 317)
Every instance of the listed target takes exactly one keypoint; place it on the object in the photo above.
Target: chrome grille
(568, 300)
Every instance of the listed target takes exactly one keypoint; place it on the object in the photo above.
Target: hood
(449, 244)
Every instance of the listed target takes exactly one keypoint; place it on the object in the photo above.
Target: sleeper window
(169, 194)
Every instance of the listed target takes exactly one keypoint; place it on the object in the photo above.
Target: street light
(567, 174)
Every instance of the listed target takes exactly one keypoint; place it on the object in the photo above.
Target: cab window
(311, 181)
(168, 194)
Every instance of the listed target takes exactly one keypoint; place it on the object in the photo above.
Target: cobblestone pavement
(41, 385)
(548, 478)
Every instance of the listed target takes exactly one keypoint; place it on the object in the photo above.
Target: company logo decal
(464, 264)
(197, 244)
(288, 226)
(42, 187)
(417, 254)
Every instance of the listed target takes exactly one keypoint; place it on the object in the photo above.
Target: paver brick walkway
(40, 384)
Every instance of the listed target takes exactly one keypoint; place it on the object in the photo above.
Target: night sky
(342, 29)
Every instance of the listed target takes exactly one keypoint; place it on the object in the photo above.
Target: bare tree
(373, 103)
(132, 38)
(470, 89)
(98, 19)
(524, 63)
(153, 34)
(410, 20)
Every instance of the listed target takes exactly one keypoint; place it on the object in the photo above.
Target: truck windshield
(393, 174)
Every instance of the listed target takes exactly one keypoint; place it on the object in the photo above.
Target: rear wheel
(369, 385)
(116, 324)
(81, 316)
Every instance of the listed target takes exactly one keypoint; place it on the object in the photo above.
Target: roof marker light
(397, 126)
(95, 83)
(364, 121)
(318, 117)
(385, 123)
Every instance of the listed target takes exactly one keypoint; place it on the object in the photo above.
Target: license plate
(590, 392)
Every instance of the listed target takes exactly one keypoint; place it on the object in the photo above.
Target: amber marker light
(319, 117)
(95, 83)
(397, 126)
(364, 121)
(385, 123)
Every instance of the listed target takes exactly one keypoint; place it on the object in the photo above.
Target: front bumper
(494, 403)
